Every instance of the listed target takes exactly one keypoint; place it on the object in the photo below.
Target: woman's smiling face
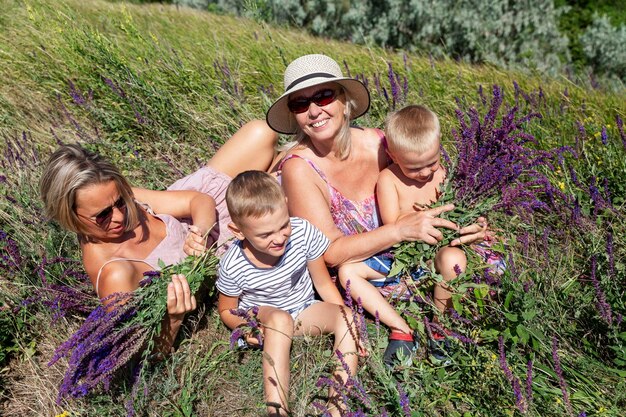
(321, 122)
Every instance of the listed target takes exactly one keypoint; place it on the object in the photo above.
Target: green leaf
(529, 315)
(396, 268)
(489, 335)
(161, 264)
(456, 303)
(412, 322)
(507, 300)
(511, 317)
(522, 333)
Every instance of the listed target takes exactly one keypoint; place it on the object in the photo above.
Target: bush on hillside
(603, 45)
(509, 34)
(501, 32)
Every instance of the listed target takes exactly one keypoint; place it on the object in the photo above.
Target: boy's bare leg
(372, 300)
(445, 262)
(252, 147)
(324, 318)
(277, 334)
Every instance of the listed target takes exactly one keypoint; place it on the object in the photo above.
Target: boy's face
(265, 236)
(417, 166)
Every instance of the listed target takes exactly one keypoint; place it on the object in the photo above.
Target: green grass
(189, 80)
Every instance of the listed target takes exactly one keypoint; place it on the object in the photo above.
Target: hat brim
(280, 118)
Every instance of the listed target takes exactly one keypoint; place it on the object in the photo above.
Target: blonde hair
(253, 194)
(412, 129)
(72, 168)
(343, 141)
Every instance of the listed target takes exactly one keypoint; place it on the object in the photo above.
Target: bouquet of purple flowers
(496, 169)
(123, 328)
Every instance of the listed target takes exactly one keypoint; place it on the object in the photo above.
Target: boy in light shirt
(272, 268)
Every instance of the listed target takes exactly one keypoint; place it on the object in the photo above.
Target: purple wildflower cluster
(20, 153)
(604, 308)
(495, 169)
(610, 254)
(520, 401)
(138, 110)
(358, 316)
(100, 347)
(534, 98)
(559, 374)
(123, 328)
(404, 401)
(251, 325)
(352, 388)
(79, 97)
(398, 87)
(431, 327)
(63, 292)
(11, 257)
(228, 82)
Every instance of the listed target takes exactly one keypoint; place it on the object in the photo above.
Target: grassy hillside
(157, 88)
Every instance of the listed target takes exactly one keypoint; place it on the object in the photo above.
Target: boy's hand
(474, 233)
(253, 340)
(195, 243)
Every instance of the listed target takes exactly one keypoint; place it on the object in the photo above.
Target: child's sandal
(440, 348)
(399, 342)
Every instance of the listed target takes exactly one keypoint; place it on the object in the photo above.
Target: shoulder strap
(383, 138)
(291, 156)
(108, 262)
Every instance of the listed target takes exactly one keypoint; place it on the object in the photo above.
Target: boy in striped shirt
(273, 267)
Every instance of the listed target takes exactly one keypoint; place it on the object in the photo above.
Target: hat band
(307, 77)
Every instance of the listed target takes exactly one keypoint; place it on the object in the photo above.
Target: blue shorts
(382, 264)
(295, 312)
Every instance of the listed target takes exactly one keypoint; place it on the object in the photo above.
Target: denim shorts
(295, 312)
(382, 264)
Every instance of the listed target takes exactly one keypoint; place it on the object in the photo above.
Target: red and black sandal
(401, 346)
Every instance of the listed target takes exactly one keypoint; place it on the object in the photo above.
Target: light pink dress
(214, 183)
(169, 250)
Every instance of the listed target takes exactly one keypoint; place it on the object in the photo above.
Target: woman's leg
(252, 147)
(446, 261)
(358, 273)
(325, 318)
(277, 334)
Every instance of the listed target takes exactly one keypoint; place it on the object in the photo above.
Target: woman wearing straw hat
(330, 174)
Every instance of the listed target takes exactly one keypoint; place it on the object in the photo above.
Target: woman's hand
(179, 298)
(195, 243)
(474, 233)
(423, 225)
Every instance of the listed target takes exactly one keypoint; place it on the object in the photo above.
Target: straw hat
(307, 71)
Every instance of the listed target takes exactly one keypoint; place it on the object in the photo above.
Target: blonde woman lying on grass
(123, 231)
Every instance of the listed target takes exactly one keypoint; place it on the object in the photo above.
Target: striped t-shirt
(287, 285)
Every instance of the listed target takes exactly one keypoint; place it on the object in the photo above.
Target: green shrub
(523, 34)
(604, 47)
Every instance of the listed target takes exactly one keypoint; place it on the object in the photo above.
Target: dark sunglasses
(105, 215)
(321, 98)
